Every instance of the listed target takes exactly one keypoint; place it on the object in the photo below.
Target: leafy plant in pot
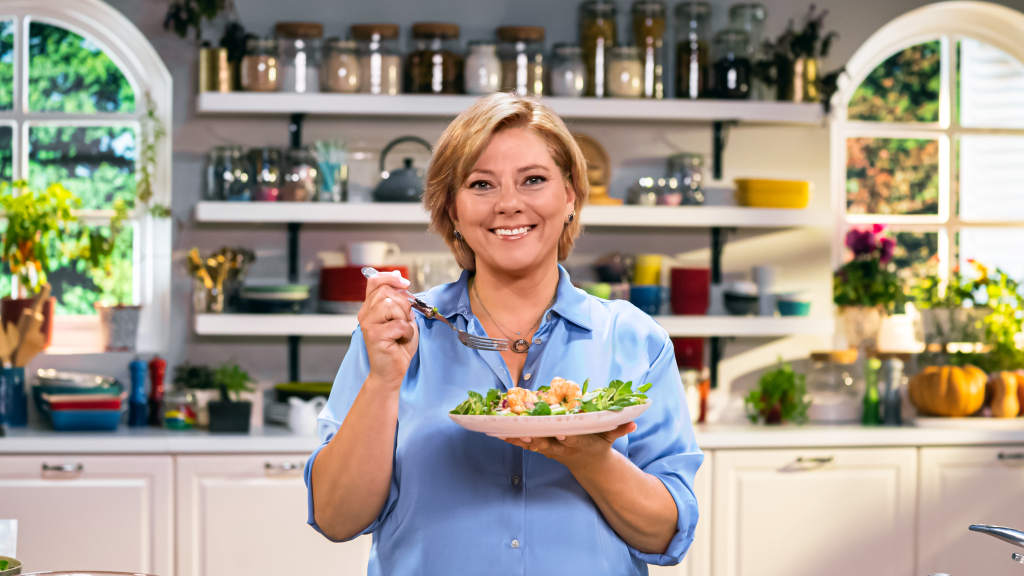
(780, 396)
(227, 415)
(866, 287)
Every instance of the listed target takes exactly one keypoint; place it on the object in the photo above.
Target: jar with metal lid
(686, 168)
(521, 51)
(733, 70)
(228, 174)
(625, 72)
(380, 60)
(301, 45)
(836, 385)
(598, 35)
(300, 176)
(261, 65)
(649, 37)
(340, 71)
(483, 69)
(750, 18)
(435, 65)
(568, 77)
(693, 41)
(266, 164)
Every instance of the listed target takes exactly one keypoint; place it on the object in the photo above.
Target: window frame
(142, 67)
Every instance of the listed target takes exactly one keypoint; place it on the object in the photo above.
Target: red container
(347, 283)
(689, 352)
(690, 288)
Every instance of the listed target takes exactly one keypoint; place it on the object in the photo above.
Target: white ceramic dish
(545, 426)
(975, 423)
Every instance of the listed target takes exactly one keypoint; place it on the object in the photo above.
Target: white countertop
(275, 439)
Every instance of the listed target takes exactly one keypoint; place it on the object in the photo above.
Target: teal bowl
(794, 307)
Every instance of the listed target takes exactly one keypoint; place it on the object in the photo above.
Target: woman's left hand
(575, 451)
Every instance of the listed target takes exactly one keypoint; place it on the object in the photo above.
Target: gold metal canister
(216, 74)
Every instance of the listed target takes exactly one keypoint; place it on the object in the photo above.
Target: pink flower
(861, 242)
(888, 246)
(877, 228)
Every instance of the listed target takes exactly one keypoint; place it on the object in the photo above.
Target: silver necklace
(519, 345)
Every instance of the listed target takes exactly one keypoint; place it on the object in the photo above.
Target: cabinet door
(91, 512)
(698, 560)
(812, 512)
(242, 514)
(964, 486)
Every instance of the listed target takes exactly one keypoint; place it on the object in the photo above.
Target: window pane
(6, 65)
(916, 254)
(991, 87)
(892, 176)
(77, 288)
(6, 155)
(991, 178)
(904, 88)
(68, 73)
(993, 247)
(96, 163)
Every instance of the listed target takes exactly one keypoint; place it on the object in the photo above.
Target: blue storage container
(82, 420)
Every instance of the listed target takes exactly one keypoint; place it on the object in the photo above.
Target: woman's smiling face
(513, 206)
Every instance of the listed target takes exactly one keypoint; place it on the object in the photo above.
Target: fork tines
(485, 343)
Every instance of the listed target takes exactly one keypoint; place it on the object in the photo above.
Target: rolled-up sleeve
(665, 447)
(353, 372)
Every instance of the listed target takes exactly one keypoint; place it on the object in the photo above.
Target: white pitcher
(302, 415)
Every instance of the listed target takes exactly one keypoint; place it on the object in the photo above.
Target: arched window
(928, 137)
(76, 81)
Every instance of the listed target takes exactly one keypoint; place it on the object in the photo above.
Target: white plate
(976, 422)
(544, 426)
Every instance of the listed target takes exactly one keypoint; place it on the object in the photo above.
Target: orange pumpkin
(954, 391)
(1003, 388)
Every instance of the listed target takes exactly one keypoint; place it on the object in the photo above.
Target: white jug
(302, 415)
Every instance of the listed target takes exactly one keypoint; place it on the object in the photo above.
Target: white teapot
(302, 414)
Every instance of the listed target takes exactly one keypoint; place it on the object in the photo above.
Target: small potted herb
(780, 396)
(227, 414)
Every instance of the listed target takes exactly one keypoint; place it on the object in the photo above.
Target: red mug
(690, 290)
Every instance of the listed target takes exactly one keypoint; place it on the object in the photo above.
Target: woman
(505, 189)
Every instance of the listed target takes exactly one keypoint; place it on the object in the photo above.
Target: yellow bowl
(772, 193)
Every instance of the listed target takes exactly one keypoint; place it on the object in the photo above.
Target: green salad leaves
(613, 398)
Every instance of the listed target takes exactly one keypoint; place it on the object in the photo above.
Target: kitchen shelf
(442, 106)
(413, 213)
(336, 325)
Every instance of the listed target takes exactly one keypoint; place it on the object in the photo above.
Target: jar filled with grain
(340, 71)
(435, 65)
(625, 72)
(301, 45)
(597, 36)
(649, 37)
(693, 42)
(261, 66)
(568, 73)
(521, 51)
(483, 69)
(380, 60)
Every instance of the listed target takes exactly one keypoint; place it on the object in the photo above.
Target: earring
(572, 216)
(458, 235)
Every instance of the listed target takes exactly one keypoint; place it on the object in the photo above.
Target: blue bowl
(794, 308)
(82, 420)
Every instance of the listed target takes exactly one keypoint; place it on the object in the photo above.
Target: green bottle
(872, 402)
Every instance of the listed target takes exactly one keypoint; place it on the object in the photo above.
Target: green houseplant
(867, 287)
(792, 62)
(780, 396)
(227, 414)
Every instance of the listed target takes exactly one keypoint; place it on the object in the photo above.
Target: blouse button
(537, 341)
(549, 317)
(527, 376)
(515, 543)
(515, 480)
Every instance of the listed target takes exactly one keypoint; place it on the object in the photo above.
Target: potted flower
(867, 287)
(37, 228)
(780, 396)
(950, 310)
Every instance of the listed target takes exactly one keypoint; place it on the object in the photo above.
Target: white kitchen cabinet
(964, 486)
(698, 560)
(840, 512)
(244, 514)
(91, 512)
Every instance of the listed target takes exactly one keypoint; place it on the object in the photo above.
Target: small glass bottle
(568, 73)
(261, 66)
(301, 46)
(340, 72)
(693, 35)
(750, 18)
(435, 66)
(483, 69)
(380, 61)
(521, 51)
(625, 73)
(598, 35)
(649, 36)
(732, 70)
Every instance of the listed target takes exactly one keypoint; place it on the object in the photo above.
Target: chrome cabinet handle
(63, 467)
(1010, 456)
(818, 460)
(284, 466)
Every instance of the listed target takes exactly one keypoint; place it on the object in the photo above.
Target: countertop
(275, 439)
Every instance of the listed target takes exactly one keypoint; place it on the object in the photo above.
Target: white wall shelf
(447, 106)
(605, 216)
(343, 325)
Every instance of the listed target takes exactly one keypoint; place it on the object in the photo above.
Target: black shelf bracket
(719, 141)
(715, 343)
(295, 130)
(293, 278)
(293, 358)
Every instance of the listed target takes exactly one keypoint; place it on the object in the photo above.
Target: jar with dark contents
(693, 35)
(521, 51)
(750, 18)
(299, 177)
(380, 62)
(598, 35)
(435, 65)
(649, 37)
(732, 70)
(266, 163)
(228, 175)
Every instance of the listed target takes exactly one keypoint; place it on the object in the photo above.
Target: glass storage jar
(301, 45)
(340, 71)
(483, 69)
(228, 174)
(266, 169)
(597, 36)
(521, 51)
(750, 18)
(836, 386)
(380, 61)
(733, 70)
(261, 66)
(180, 410)
(693, 36)
(625, 72)
(649, 37)
(568, 74)
(300, 176)
(687, 169)
(435, 66)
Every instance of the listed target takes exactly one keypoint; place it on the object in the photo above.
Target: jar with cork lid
(261, 66)
(435, 65)
(380, 60)
(649, 37)
(598, 35)
(340, 71)
(625, 73)
(300, 44)
(693, 43)
(521, 50)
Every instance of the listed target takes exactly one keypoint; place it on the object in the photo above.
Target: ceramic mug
(646, 297)
(372, 253)
(302, 415)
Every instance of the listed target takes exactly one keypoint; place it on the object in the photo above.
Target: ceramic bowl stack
(274, 298)
(74, 401)
(343, 288)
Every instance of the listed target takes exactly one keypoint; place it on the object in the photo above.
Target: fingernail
(560, 438)
(404, 281)
(526, 440)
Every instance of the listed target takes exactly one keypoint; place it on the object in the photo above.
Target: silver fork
(429, 312)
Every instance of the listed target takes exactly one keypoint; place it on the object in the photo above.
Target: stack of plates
(77, 401)
(772, 193)
(343, 288)
(275, 299)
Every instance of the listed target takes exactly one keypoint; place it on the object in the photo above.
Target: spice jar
(649, 36)
(341, 66)
(750, 18)
(261, 66)
(625, 72)
(522, 59)
(300, 175)
(228, 174)
(732, 70)
(179, 410)
(379, 61)
(483, 69)
(568, 73)
(597, 36)
(300, 44)
(266, 169)
(435, 65)
(693, 60)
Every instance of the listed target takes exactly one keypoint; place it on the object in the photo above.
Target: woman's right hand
(389, 328)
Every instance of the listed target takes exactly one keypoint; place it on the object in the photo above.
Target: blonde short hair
(464, 141)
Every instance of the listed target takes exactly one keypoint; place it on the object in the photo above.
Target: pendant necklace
(519, 345)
